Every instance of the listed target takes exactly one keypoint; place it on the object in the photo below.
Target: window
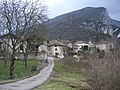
(56, 54)
(55, 49)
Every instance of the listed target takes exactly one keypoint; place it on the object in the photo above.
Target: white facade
(80, 44)
(105, 46)
(57, 51)
(69, 45)
(42, 47)
(102, 46)
(5, 43)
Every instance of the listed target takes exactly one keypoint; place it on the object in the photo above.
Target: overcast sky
(58, 7)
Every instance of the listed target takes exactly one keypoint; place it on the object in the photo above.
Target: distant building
(105, 46)
(81, 45)
(6, 42)
(67, 43)
(42, 48)
(6, 45)
(56, 48)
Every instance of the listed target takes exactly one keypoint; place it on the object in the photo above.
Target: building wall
(100, 46)
(56, 51)
(104, 47)
(42, 47)
(7, 48)
(81, 45)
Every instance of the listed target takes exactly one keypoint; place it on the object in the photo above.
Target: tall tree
(19, 18)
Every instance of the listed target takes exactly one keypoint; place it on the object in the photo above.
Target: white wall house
(42, 52)
(42, 47)
(80, 44)
(105, 46)
(6, 42)
(56, 49)
(67, 43)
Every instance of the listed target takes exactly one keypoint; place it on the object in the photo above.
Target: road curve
(30, 83)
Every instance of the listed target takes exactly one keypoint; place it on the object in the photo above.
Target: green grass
(19, 72)
(63, 79)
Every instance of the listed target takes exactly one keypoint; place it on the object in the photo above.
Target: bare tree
(104, 72)
(19, 18)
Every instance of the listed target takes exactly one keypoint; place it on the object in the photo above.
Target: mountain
(116, 28)
(87, 23)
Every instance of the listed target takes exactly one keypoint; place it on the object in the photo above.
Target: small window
(56, 54)
(55, 45)
(55, 49)
(75, 53)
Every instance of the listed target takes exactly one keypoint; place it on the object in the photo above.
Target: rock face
(82, 24)
(116, 28)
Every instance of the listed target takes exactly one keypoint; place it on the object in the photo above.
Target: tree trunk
(12, 65)
(25, 63)
(25, 58)
(5, 61)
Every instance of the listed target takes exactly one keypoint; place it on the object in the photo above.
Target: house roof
(104, 42)
(74, 45)
(56, 42)
(66, 41)
(80, 42)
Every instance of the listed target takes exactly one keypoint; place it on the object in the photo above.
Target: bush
(72, 64)
(34, 68)
(104, 72)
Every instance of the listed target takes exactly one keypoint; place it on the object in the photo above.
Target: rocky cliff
(83, 24)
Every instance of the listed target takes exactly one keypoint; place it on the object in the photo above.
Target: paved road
(29, 83)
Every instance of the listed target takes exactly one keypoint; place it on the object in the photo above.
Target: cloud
(114, 9)
(58, 7)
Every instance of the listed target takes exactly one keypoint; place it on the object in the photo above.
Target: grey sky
(58, 7)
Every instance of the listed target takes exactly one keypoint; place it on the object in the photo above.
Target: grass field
(19, 71)
(63, 79)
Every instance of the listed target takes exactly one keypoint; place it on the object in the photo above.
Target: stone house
(56, 48)
(105, 46)
(79, 45)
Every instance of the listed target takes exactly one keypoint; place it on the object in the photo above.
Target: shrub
(104, 72)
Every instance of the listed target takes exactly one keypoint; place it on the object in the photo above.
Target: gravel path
(29, 83)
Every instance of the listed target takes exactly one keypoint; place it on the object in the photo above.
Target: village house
(43, 51)
(6, 45)
(56, 48)
(68, 43)
(42, 48)
(80, 45)
(105, 46)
